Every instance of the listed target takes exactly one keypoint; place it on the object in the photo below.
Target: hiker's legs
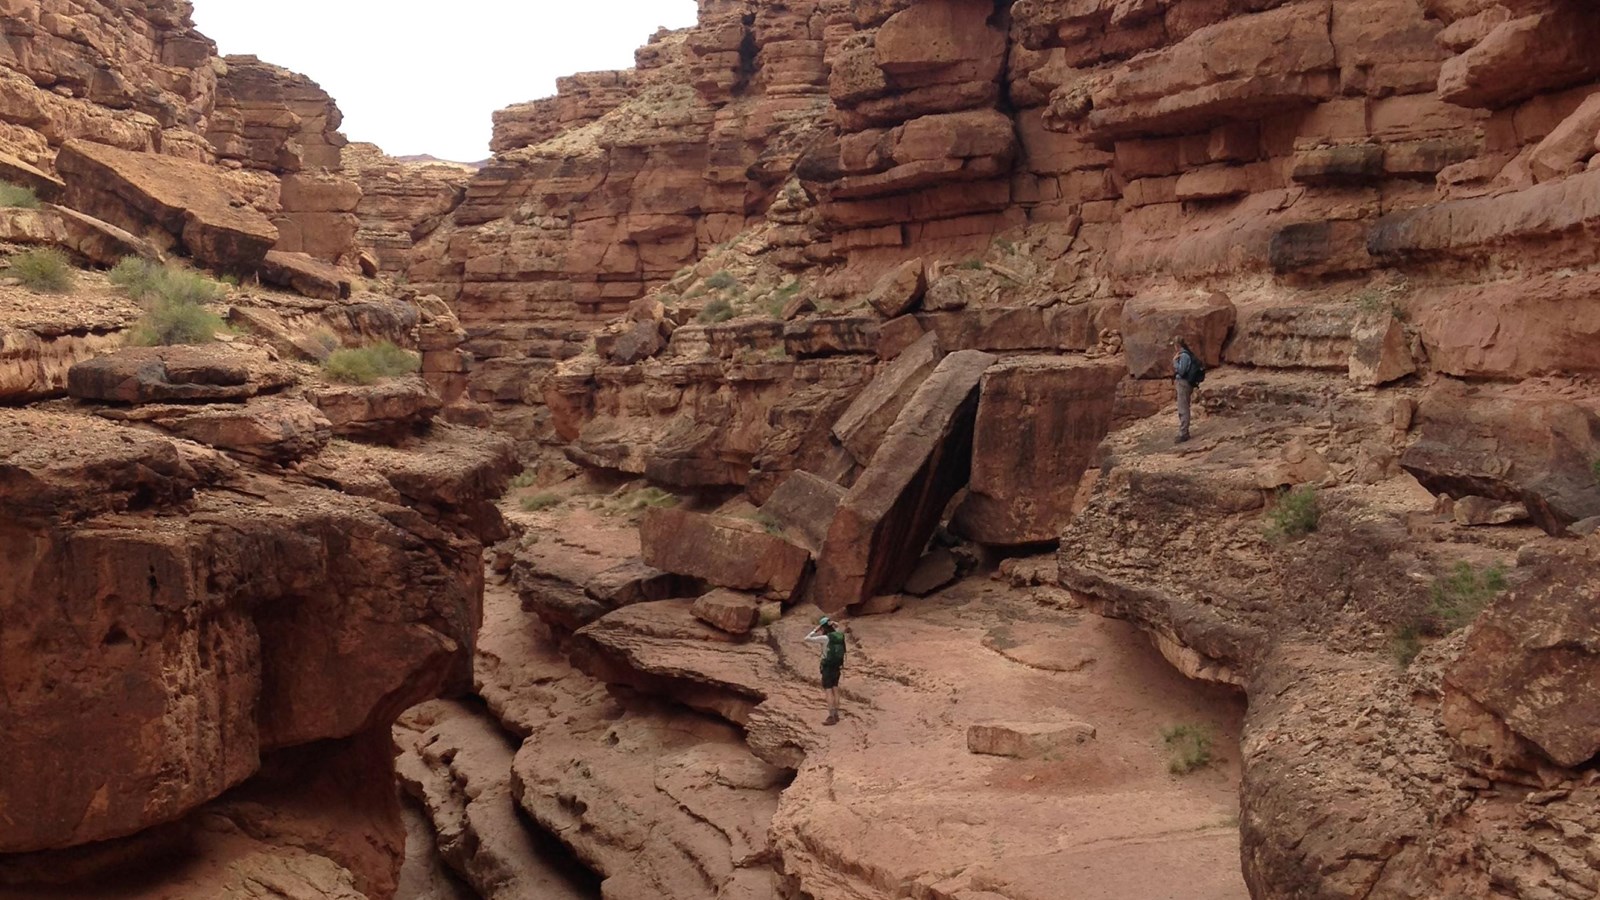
(833, 702)
(1185, 393)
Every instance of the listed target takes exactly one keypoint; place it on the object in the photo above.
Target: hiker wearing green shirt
(832, 638)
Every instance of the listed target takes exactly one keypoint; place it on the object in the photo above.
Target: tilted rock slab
(168, 200)
(887, 517)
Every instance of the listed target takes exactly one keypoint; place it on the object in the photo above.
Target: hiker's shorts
(830, 675)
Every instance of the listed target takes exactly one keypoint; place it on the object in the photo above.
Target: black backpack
(1194, 372)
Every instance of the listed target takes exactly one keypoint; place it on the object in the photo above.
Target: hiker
(828, 633)
(1187, 373)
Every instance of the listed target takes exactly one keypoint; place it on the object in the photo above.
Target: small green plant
(1406, 644)
(721, 281)
(1456, 599)
(327, 340)
(970, 265)
(367, 365)
(718, 310)
(1372, 300)
(168, 322)
(1594, 469)
(540, 502)
(769, 523)
(1189, 746)
(525, 480)
(174, 300)
(1296, 514)
(47, 270)
(230, 280)
(16, 196)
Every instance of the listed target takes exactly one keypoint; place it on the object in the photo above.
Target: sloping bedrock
(1247, 67)
(1039, 426)
(886, 519)
(168, 200)
(1545, 324)
(1507, 445)
(1531, 662)
(1555, 214)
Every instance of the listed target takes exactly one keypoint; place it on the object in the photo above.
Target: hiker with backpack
(1187, 373)
(828, 634)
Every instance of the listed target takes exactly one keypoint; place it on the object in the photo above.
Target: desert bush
(174, 301)
(524, 480)
(1189, 746)
(1456, 599)
(1296, 514)
(722, 281)
(16, 196)
(370, 364)
(540, 501)
(45, 270)
(1406, 644)
(718, 310)
(646, 498)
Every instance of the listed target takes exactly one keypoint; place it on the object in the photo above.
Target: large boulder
(887, 517)
(723, 551)
(386, 412)
(1532, 662)
(171, 201)
(1151, 322)
(1039, 426)
(803, 505)
(303, 274)
(1492, 443)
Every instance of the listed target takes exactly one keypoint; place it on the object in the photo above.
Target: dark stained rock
(1487, 443)
(831, 336)
(174, 374)
(886, 519)
(1040, 423)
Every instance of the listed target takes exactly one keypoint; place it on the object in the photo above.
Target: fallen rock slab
(175, 374)
(171, 201)
(933, 572)
(1149, 325)
(886, 518)
(303, 274)
(899, 292)
(730, 611)
(726, 552)
(1026, 740)
(385, 412)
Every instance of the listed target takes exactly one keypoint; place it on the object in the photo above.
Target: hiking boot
(1182, 438)
(832, 719)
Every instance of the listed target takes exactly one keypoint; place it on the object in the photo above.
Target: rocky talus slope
(869, 308)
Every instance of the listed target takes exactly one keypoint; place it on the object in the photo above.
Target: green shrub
(1594, 468)
(1296, 514)
(1457, 598)
(540, 502)
(721, 281)
(367, 365)
(1406, 644)
(718, 310)
(16, 196)
(646, 498)
(47, 270)
(167, 322)
(174, 300)
(524, 480)
(1189, 746)
(970, 265)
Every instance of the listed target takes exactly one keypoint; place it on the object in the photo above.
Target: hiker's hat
(824, 621)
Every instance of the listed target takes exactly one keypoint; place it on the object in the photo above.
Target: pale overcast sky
(424, 78)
